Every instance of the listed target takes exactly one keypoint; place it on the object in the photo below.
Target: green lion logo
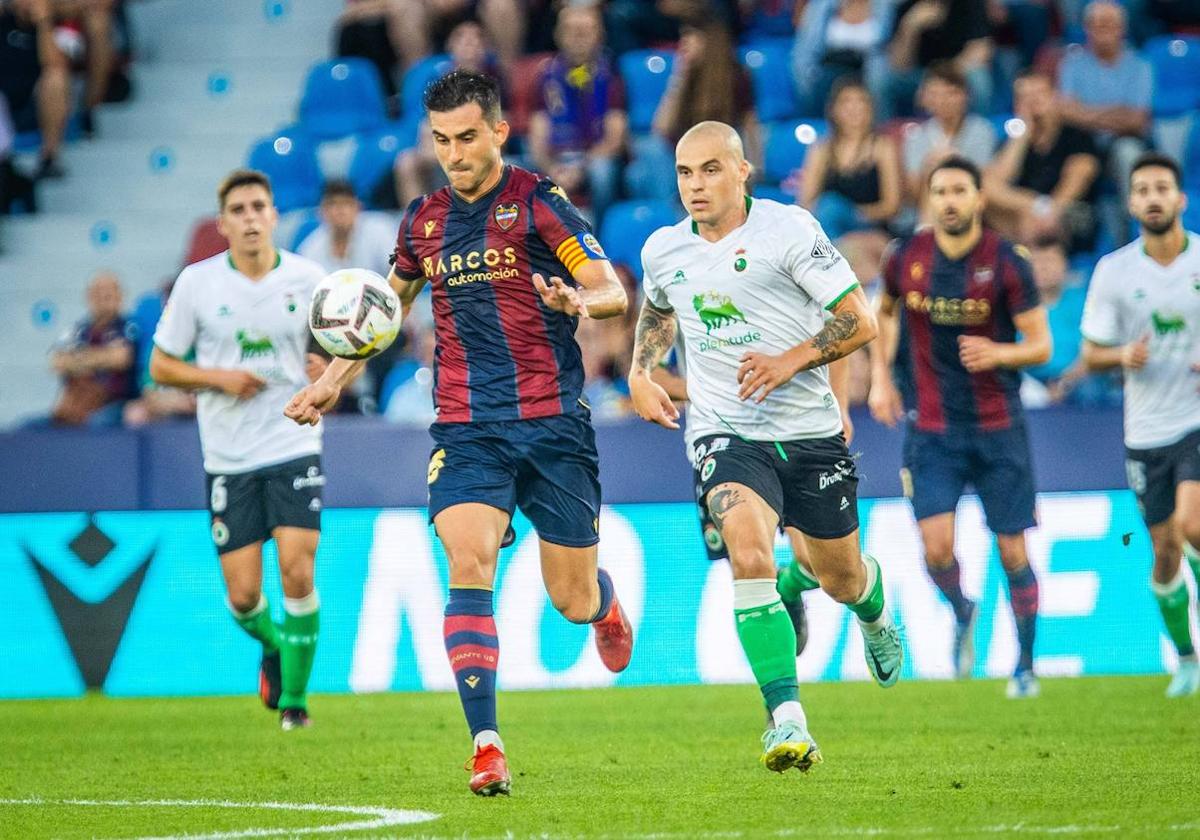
(716, 311)
(1166, 325)
(254, 347)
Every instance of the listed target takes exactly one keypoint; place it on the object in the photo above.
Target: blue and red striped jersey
(501, 354)
(942, 299)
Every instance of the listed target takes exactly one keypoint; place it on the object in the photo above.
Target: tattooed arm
(655, 337)
(852, 326)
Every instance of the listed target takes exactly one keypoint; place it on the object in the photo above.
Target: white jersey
(233, 322)
(1132, 296)
(765, 287)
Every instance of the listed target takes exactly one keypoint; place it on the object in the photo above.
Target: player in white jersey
(235, 329)
(764, 303)
(1143, 315)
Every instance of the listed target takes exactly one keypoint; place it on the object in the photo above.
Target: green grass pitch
(1091, 757)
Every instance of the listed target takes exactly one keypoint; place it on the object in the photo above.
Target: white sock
(307, 605)
(791, 710)
(488, 737)
(754, 592)
(884, 619)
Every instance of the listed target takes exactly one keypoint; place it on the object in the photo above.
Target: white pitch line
(381, 817)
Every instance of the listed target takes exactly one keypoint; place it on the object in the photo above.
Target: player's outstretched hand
(885, 402)
(311, 402)
(978, 354)
(1135, 354)
(760, 371)
(560, 297)
(241, 383)
(651, 402)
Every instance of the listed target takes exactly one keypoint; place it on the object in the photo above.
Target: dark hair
(948, 72)
(1158, 159)
(963, 165)
(338, 188)
(242, 178)
(459, 87)
(1049, 240)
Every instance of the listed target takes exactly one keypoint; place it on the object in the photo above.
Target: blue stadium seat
(1190, 160)
(627, 226)
(645, 73)
(774, 193)
(786, 145)
(1191, 217)
(290, 161)
(1006, 126)
(376, 152)
(417, 79)
(1176, 64)
(769, 63)
(342, 97)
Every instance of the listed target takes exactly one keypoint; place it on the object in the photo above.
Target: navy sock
(949, 581)
(1023, 595)
(607, 592)
(474, 651)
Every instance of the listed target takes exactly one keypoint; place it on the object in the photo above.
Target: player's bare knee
(470, 568)
(297, 581)
(1168, 553)
(752, 561)
(243, 599)
(842, 585)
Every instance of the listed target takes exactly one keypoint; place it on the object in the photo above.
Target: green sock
(1173, 604)
(794, 580)
(869, 607)
(258, 624)
(767, 638)
(298, 645)
(1193, 558)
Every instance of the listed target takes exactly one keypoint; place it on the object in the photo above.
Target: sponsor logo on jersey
(716, 311)
(559, 191)
(840, 472)
(430, 227)
(312, 479)
(254, 346)
(680, 277)
(458, 269)
(950, 312)
(1167, 324)
(506, 215)
(823, 250)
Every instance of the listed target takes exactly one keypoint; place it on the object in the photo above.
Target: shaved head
(711, 169)
(712, 136)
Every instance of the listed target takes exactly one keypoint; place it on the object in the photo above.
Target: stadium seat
(1006, 126)
(774, 193)
(645, 73)
(376, 152)
(290, 161)
(769, 63)
(1176, 65)
(786, 144)
(1190, 159)
(627, 226)
(205, 241)
(342, 97)
(523, 86)
(418, 77)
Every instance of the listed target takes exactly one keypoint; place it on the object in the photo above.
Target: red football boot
(489, 772)
(614, 638)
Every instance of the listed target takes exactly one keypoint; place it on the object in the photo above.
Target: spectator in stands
(35, 76)
(950, 130)
(939, 30)
(15, 188)
(864, 262)
(1063, 295)
(347, 237)
(157, 402)
(96, 360)
(577, 133)
(836, 38)
(90, 24)
(1043, 182)
(708, 82)
(1106, 88)
(852, 181)
(407, 393)
(416, 170)
(378, 31)
(429, 22)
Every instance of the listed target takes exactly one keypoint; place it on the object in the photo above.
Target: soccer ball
(355, 314)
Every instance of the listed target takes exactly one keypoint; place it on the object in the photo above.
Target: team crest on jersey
(290, 303)
(739, 263)
(591, 247)
(430, 227)
(506, 215)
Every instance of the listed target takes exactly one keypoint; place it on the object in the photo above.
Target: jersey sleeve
(656, 294)
(813, 263)
(176, 331)
(1101, 322)
(403, 260)
(563, 228)
(893, 258)
(1016, 274)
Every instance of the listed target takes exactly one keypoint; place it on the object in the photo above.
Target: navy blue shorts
(549, 468)
(938, 467)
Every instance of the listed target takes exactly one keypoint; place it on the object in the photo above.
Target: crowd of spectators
(1052, 99)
